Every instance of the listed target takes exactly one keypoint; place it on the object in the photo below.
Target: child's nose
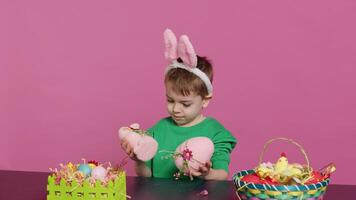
(176, 108)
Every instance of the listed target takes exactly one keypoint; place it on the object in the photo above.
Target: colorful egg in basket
(282, 180)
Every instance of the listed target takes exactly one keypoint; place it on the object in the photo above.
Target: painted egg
(196, 152)
(124, 131)
(99, 173)
(133, 139)
(85, 169)
(252, 178)
(145, 148)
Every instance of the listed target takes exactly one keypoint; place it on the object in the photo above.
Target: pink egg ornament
(144, 146)
(196, 152)
(99, 173)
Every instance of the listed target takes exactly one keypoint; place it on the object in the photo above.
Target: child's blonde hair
(184, 82)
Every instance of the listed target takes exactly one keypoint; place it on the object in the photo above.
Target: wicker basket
(252, 191)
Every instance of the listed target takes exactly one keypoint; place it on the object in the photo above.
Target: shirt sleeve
(224, 143)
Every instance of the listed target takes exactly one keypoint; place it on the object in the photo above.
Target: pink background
(73, 72)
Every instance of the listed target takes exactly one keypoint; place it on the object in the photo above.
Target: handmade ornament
(144, 146)
(193, 153)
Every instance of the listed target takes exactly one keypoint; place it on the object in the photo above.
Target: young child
(188, 90)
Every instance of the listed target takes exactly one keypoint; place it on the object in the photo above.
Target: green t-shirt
(169, 136)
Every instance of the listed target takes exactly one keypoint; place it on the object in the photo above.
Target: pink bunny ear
(170, 42)
(186, 52)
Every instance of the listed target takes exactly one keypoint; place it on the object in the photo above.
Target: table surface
(32, 186)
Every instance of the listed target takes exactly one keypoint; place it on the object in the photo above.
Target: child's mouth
(178, 118)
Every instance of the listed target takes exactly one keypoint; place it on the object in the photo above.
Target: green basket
(252, 191)
(115, 190)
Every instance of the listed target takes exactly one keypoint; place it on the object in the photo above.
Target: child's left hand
(203, 170)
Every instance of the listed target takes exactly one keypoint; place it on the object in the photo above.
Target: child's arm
(207, 173)
(216, 174)
(141, 169)
(224, 143)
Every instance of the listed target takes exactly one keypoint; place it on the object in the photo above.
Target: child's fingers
(208, 164)
(195, 173)
(191, 175)
(132, 154)
(128, 149)
(203, 169)
(123, 143)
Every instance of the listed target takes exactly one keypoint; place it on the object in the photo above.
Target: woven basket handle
(288, 140)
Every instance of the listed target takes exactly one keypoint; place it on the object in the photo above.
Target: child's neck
(196, 121)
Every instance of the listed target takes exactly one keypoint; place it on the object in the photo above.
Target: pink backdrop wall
(72, 72)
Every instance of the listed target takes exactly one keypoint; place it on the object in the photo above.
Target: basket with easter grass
(89, 180)
(283, 180)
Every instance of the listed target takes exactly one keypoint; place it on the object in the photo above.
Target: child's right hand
(125, 145)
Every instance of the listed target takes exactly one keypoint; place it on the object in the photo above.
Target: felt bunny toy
(144, 146)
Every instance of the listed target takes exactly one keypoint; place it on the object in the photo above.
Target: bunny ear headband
(185, 51)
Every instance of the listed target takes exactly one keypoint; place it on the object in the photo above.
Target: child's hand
(128, 149)
(203, 170)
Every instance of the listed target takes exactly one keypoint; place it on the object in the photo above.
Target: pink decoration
(144, 146)
(193, 153)
(186, 52)
(99, 173)
(183, 50)
(187, 155)
(203, 193)
(170, 42)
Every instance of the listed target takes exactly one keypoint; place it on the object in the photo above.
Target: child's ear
(206, 100)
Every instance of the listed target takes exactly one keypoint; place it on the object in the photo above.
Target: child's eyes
(184, 104)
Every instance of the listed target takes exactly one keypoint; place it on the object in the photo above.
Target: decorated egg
(124, 131)
(85, 169)
(99, 173)
(252, 178)
(133, 139)
(144, 146)
(195, 152)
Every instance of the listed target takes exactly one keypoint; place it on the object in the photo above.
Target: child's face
(185, 110)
